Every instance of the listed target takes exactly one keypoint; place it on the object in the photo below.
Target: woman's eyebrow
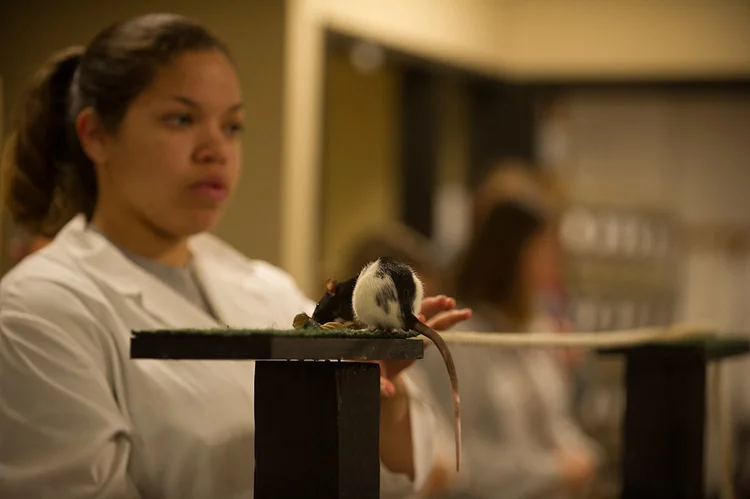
(190, 102)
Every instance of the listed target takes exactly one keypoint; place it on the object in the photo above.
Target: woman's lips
(212, 189)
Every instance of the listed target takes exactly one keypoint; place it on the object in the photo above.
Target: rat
(336, 304)
(388, 296)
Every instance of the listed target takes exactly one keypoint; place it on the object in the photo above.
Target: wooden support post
(317, 430)
(664, 426)
(317, 424)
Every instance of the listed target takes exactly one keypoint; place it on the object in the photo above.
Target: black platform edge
(709, 348)
(269, 347)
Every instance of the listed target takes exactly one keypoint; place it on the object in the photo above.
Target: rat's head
(336, 302)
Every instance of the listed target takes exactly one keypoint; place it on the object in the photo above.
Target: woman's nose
(212, 145)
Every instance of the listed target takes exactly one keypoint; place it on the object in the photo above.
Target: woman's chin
(200, 221)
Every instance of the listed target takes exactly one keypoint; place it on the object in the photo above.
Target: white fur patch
(365, 299)
(417, 305)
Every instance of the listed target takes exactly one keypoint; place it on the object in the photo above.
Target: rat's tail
(425, 330)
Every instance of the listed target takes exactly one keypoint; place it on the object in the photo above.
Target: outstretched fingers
(434, 305)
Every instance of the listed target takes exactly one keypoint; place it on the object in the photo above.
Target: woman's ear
(92, 135)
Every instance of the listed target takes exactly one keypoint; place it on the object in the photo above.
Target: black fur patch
(380, 272)
(385, 297)
(406, 290)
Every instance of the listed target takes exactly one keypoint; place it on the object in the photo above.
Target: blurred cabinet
(623, 266)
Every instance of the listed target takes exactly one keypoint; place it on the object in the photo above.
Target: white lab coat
(80, 419)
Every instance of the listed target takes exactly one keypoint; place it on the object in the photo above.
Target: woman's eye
(235, 128)
(178, 119)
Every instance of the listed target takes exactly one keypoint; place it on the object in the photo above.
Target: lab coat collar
(108, 266)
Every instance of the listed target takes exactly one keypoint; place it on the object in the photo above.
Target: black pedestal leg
(317, 430)
(664, 423)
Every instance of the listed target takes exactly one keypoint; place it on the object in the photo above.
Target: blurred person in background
(125, 155)
(551, 312)
(520, 438)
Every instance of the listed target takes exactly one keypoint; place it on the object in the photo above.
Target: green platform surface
(285, 333)
(711, 346)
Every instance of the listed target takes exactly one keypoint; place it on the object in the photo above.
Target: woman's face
(541, 264)
(175, 159)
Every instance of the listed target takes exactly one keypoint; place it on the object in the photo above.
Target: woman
(127, 151)
(520, 440)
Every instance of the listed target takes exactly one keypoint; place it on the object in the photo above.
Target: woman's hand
(396, 449)
(439, 313)
(577, 470)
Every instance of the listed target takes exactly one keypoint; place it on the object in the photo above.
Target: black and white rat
(388, 295)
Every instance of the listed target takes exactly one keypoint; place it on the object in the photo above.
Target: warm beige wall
(465, 32)
(360, 187)
(543, 38)
(254, 31)
(632, 38)
(361, 164)
(462, 31)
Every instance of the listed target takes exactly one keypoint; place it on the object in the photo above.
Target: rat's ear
(331, 286)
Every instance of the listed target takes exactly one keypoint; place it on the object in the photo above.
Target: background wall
(254, 32)
(532, 40)
(631, 39)
(687, 154)
(361, 168)
(465, 32)
(360, 186)
(274, 38)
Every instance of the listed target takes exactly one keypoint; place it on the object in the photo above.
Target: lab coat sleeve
(62, 432)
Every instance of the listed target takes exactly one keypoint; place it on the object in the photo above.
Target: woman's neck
(143, 238)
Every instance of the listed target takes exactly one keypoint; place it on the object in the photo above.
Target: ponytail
(43, 163)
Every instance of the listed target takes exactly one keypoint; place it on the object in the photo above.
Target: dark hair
(489, 269)
(47, 177)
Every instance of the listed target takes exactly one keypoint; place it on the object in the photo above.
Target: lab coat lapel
(170, 307)
(112, 269)
(231, 292)
(245, 293)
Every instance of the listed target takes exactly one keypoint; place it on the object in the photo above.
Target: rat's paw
(332, 326)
